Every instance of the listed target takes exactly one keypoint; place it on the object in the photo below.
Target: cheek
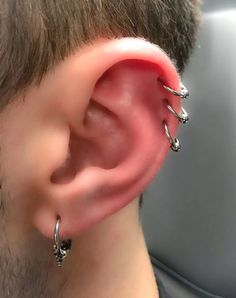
(31, 150)
(15, 170)
(15, 161)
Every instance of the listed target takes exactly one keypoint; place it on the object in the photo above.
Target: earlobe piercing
(60, 250)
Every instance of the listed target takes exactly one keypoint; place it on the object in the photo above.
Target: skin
(75, 147)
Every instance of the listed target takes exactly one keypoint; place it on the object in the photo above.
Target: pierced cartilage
(183, 93)
(174, 143)
(183, 117)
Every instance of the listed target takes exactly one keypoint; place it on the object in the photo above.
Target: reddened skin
(103, 110)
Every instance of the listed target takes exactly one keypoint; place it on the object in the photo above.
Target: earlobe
(120, 145)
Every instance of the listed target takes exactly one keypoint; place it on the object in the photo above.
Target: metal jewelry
(60, 250)
(174, 142)
(183, 117)
(183, 93)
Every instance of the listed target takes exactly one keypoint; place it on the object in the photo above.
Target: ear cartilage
(174, 142)
(183, 117)
(183, 93)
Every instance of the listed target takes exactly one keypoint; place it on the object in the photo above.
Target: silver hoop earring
(60, 250)
(183, 93)
(183, 117)
(174, 142)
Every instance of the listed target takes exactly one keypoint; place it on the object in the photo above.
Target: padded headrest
(189, 211)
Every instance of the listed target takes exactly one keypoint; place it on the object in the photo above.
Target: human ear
(112, 105)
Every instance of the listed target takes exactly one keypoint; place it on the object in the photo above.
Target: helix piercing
(60, 250)
(183, 117)
(174, 142)
(183, 93)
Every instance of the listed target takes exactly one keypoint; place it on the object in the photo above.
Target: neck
(111, 260)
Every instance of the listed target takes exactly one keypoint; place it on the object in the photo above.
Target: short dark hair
(37, 34)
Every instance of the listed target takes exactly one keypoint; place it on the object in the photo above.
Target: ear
(113, 106)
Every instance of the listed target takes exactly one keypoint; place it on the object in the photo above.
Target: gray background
(189, 210)
(210, 5)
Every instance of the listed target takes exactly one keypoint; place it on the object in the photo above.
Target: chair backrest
(189, 210)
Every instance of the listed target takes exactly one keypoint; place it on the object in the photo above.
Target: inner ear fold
(101, 143)
(115, 113)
